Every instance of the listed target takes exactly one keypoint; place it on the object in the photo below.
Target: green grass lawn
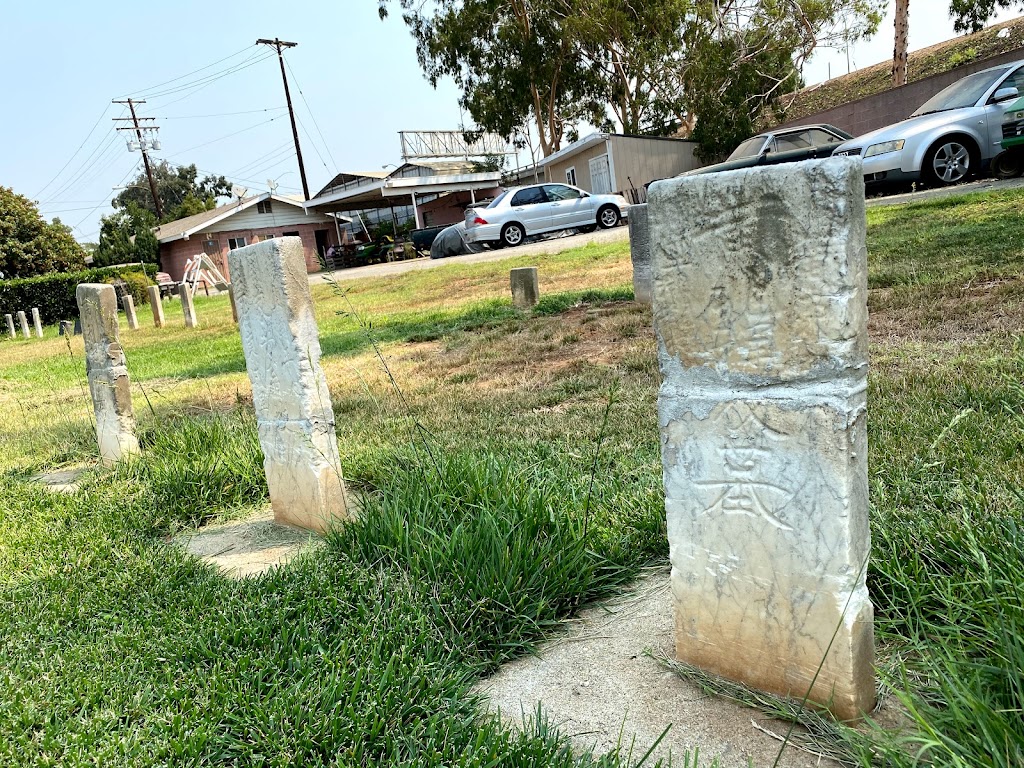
(481, 529)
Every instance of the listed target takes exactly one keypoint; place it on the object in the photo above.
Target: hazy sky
(66, 61)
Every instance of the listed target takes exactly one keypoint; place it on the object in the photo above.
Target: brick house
(244, 222)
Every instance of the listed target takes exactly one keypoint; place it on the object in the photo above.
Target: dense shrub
(135, 283)
(55, 294)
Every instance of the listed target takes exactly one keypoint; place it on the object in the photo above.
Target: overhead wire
(222, 114)
(256, 58)
(312, 116)
(99, 154)
(189, 74)
(221, 138)
(75, 153)
(286, 147)
(131, 170)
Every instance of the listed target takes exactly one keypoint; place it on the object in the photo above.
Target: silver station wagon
(520, 212)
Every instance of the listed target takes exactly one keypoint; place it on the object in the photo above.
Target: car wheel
(951, 160)
(587, 229)
(512, 234)
(607, 217)
(1008, 164)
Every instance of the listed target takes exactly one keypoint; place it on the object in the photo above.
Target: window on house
(236, 242)
(290, 234)
(570, 175)
(264, 206)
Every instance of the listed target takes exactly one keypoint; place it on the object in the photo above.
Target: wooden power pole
(145, 142)
(280, 45)
(899, 53)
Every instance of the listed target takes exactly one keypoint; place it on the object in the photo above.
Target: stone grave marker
(188, 307)
(760, 286)
(10, 326)
(67, 328)
(294, 414)
(23, 320)
(157, 305)
(234, 307)
(129, 312)
(37, 322)
(525, 287)
(107, 372)
(640, 252)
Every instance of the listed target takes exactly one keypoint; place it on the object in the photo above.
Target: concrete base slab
(247, 547)
(598, 684)
(61, 480)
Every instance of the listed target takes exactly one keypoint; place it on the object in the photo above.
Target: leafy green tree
(30, 246)
(181, 191)
(972, 15)
(126, 236)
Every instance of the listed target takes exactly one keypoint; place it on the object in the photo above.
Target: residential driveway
(553, 245)
(618, 234)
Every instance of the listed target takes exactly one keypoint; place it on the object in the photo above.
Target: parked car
(789, 145)
(950, 138)
(521, 212)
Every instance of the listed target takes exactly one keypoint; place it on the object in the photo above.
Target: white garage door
(600, 175)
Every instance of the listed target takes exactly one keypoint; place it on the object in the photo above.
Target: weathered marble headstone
(107, 372)
(10, 326)
(37, 322)
(760, 286)
(129, 312)
(188, 306)
(157, 305)
(640, 252)
(24, 324)
(234, 307)
(294, 414)
(525, 287)
(67, 328)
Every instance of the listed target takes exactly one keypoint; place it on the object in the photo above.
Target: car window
(962, 93)
(789, 141)
(820, 138)
(497, 201)
(1015, 80)
(749, 148)
(529, 196)
(561, 192)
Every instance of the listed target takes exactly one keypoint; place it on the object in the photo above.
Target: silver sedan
(950, 138)
(520, 212)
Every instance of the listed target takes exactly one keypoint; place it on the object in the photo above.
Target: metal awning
(381, 192)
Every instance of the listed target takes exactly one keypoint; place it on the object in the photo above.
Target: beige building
(615, 162)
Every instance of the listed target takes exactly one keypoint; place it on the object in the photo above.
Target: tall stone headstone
(10, 326)
(760, 286)
(157, 305)
(525, 287)
(640, 252)
(131, 318)
(107, 371)
(23, 320)
(37, 322)
(188, 307)
(294, 414)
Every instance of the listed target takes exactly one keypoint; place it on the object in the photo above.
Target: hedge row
(54, 294)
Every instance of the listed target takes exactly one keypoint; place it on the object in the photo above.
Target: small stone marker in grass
(525, 288)
(129, 312)
(24, 324)
(10, 326)
(67, 328)
(760, 286)
(37, 322)
(188, 307)
(640, 252)
(157, 305)
(107, 372)
(234, 307)
(294, 414)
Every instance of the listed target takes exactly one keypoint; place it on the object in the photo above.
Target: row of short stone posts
(23, 321)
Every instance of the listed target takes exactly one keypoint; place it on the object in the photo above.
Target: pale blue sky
(66, 60)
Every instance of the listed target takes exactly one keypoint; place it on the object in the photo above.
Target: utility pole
(280, 45)
(144, 144)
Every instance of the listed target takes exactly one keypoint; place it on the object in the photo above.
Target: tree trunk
(899, 53)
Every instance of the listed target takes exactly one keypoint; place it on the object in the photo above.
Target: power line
(286, 147)
(208, 79)
(75, 154)
(264, 167)
(123, 178)
(315, 149)
(221, 138)
(223, 114)
(146, 139)
(100, 152)
(188, 74)
(201, 87)
(308, 109)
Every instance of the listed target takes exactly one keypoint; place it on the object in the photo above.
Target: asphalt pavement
(618, 234)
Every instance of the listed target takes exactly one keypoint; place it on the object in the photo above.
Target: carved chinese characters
(759, 303)
(294, 415)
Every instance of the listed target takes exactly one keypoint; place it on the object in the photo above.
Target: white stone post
(130, 317)
(10, 326)
(107, 372)
(760, 287)
(640, 252)
(157, 304)
(24, 324)
(188, 307)
(37, 322)
(525, 287)
(289, 391)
